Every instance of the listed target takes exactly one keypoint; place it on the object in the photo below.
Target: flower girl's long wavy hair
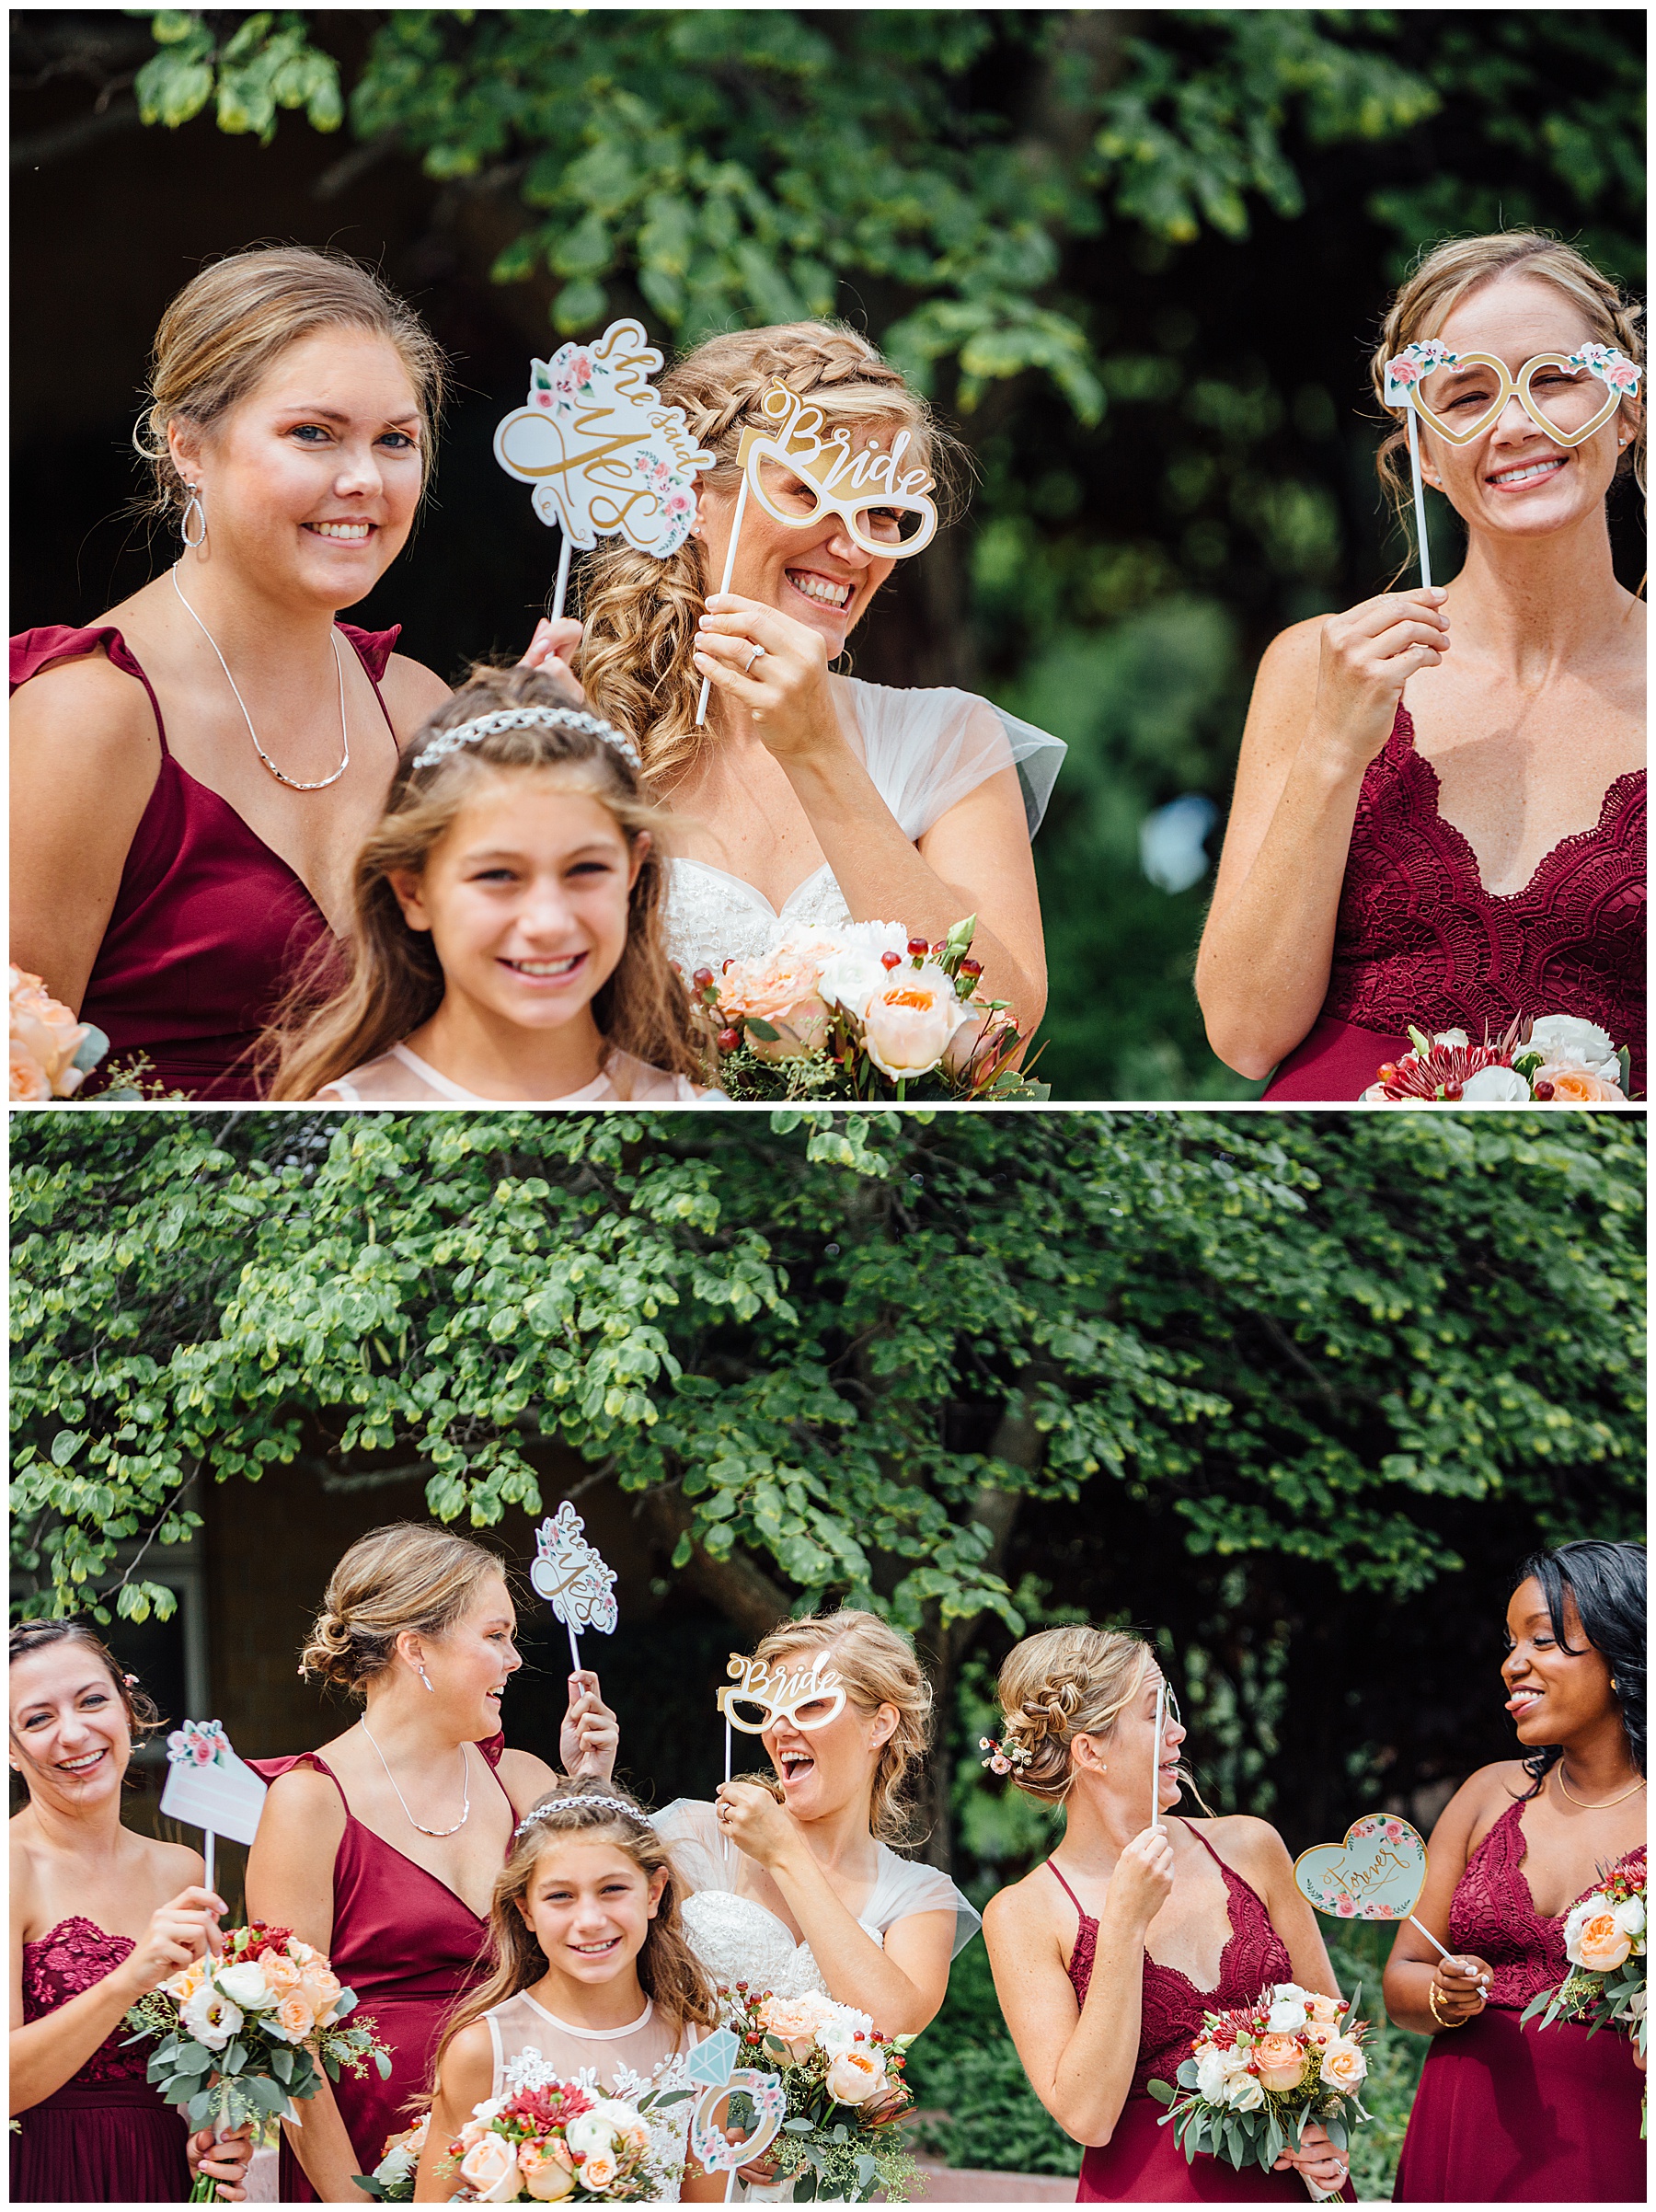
(641, 612)
(668, 1971)
(391, 980)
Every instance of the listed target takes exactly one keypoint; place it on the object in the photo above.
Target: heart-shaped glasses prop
(210, 1788)
(757, 1697)
(712, 2067)
(1459, 396)
(1377, 1874)
(607, 454)
(884, 507)
(569, 1574)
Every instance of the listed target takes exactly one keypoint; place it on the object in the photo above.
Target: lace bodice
(65, 1962)
(1172, 2005)
(402, 1076)
(737, 1940)
(1419, 939)
(925, 752)
(532, 2046)
(1493, 1916)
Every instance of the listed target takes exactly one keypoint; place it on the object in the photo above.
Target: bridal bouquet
(1557, 1060)
(845, 2088)
(52, 1053)
(1256, 2075)
(1604, 1942)
(866, 1011)
(243, 2034)
(553, 2141)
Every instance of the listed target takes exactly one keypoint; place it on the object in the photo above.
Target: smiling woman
(192, 773)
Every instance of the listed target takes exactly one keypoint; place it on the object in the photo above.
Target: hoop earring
(193, 505)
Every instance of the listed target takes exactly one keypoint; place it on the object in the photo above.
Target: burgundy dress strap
(1085, 1947)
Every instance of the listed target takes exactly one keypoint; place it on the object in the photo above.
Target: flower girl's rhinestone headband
(563, 1805)
(526, 718)
(1004, 1758)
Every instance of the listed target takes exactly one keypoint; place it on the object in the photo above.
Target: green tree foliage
(847, 1350)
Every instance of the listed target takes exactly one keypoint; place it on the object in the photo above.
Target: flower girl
(506, 941)
(591, 1978)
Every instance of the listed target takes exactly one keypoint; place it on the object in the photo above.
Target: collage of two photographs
(827, 1159)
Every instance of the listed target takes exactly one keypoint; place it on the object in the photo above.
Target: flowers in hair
(526, 718)
(1004, 1758)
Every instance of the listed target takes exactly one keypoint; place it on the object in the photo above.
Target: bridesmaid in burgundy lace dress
(1524, 2114)
(1094, 2015)
(1439, 817)
(99, 1915)
(381, 1849)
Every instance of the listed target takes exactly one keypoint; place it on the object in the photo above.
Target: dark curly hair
(1607, 1581)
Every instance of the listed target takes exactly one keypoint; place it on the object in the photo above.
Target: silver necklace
(402, 1801)
(292, 782)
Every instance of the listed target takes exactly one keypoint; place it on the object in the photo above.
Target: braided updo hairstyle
(1425, 301)
(402, 1576)
(641, 612)
(1062, 1684)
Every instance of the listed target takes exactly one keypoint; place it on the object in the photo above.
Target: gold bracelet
(1432, 2007)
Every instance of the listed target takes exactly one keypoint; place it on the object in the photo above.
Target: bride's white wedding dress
(924, 751)
(739, 1940)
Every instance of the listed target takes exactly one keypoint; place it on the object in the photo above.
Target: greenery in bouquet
(391, 2181)
(866, 1011)
(1604, 1939)
(242, 2035)
(554, 2142)
(1556, 1060)
(1260, 2073)
(845, 2088)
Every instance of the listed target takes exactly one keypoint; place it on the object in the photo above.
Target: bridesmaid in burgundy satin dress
(1439, 815)
(1510, 2113)
(381, 1849)
(90, 2128)
(1094, 2015)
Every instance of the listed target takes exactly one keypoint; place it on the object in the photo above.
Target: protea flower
(1443, 1068)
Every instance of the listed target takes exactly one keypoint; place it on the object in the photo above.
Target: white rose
(1211, 2073)
(1287, 1993)
(588, 2133)
(396, 2167)
(1451, 1037)
(211, 2018)
(491, 2170)
(837, 2035)
(1502, 1083)
(856, 972)
(1629, 1915)
(1243, 2092)
(246, 1985)
(623, 2122)
(1567, 1040)
(1286, 2017)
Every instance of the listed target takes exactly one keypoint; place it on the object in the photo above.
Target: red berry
(919, 946)
(1388, 1074)
(972, 967)
(702, 978)
(891, 960)
(1451, 1090)
(729, 1040)
(1544, 1090)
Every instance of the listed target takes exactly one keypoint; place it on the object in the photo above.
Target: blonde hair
(222, 334)
(1444, 277)
(355, 1001)
(401, 1576)
(1062, 1684)
(641, 612)
(668, 1971)
(878, 1666)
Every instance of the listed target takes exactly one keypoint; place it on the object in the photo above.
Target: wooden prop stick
(729, 570)
(1419, 508)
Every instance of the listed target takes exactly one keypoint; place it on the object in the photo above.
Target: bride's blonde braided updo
(641, 612)
(1059, 1685)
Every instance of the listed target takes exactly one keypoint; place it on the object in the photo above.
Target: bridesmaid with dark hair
(99, 1917)
(1509, 2112)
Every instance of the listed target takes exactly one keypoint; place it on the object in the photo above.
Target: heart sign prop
(1377, 1874)
(569, 1574)
(606, 454)
(712, 2067)
(209, 1788)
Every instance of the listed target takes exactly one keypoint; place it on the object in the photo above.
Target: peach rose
(795, 2020)
(281, 1973)
(1281, 2061)
(781, 990)
(491, 2170)
(909, 1025)
(1578, 1086)
(1601, 1944)
(1320, 2033)
(320, 1987)
(597, 2170)
(295, 2017)
(29, 1082)
(45, 1037)
(546, 2177)
(1343, 2066)
(856, 2076)
(1320, 2007)
(187, 1981)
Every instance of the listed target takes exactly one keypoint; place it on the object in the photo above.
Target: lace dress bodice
(403, 1077)
(66, 1961)
(1492, 1916)
(925, 752)
(532, 2046)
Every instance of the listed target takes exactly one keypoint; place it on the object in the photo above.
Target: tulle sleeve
(925, 750)
(688, 1827)
(905, 1887)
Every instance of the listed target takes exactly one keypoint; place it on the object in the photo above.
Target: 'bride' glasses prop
(209, 1788)
(1377, 1874)
(884, 507)
(569, 1574)
(1460, 396)
(757, 1698)
(607, 454)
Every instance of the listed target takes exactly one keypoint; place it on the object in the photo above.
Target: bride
(808, 800)
(807, 1893)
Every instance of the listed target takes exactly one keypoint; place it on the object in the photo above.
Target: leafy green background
(1136, 255)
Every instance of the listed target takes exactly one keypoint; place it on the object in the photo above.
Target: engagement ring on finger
(757, 654)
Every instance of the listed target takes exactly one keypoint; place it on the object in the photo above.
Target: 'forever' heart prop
(1377, 1874)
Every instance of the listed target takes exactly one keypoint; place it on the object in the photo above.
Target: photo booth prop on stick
(1155, 1752)
(756, 1697)
(1377, 1874)
(606, 454)
(209, 1788)
(712, 2069)
(860, 488)
(569, 1574)
(1459, 396)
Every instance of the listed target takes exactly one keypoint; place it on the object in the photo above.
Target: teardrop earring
(194, 506)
